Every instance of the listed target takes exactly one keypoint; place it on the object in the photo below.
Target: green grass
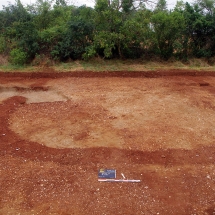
(10, 68)
(99, 65)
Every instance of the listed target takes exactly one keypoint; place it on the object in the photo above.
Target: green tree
(199, 31)
(161, 5)
(18, 30)
(138, 36)
(207, 6)
(50, 22)
(167, 29)
(13, 13)
(127, 6)
(42, 19)
(77, 36)
(180, 6)
(107, 36)
(26, 37)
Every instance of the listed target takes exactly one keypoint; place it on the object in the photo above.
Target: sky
(90, 3)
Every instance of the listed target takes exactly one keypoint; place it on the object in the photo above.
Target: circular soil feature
(64, 125)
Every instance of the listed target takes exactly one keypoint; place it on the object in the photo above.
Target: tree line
(126, 29)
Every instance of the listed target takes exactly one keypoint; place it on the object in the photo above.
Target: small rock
(208, 176)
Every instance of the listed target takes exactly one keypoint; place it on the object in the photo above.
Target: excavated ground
(58, 129)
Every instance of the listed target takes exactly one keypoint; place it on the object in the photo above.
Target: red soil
(58, 129)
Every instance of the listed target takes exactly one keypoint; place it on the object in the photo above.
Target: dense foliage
(112, 29)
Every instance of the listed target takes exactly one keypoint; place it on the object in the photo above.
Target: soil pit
(57, 132)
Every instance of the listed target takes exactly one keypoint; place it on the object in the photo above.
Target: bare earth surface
(58, 129)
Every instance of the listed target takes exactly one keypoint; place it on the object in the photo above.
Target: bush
(18, 57)
(2, 44)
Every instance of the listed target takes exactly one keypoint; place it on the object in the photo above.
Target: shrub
(2, 44)
(18, 57)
